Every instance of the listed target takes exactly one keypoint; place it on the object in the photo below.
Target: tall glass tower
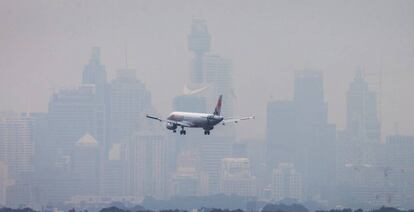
(362, 119)
(198, 42)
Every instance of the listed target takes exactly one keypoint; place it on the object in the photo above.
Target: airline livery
(198, 120)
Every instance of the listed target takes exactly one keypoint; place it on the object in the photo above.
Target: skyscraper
(113, 172)
(145, 171)
(94, 72)
(16, 140)
(362, 122)
(399, 159)
(188, 179)
(199, 43)
(85, 166)
(360, 141)
(281, 133)
(190, 103)
(236, 177)
(299, 133)
(129, 99)
(72, 114)
(4, 182)
(218, 73)
(286, 182)
(212, 151)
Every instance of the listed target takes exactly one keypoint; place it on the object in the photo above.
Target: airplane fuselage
(194, 120)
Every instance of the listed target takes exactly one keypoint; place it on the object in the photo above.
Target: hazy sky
(44, 45)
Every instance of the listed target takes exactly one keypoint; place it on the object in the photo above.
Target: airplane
(197, 120)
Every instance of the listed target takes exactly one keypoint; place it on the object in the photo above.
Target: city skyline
(380, 43)
(328, 82)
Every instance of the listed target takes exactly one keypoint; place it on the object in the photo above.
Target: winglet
(217, 110)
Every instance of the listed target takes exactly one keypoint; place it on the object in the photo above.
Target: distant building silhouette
(199, 43)
(188, 179)
(212, 150)
(113, 172)
(72, 113)
(17, 149)
(4, 182)
(218, 73)
(128, 101)
(86, 166)
(362, 122)
(16, 142)
(359, 144)
(399, 159)
(190, 103)
(286, 183)
(94, 72)
(298, 132)
(236, 177)
(145, 172)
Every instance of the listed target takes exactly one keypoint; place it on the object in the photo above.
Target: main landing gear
(182, 131)
(206, 132)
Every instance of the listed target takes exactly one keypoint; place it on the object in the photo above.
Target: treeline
(16, 210)
(382, 209)
(266, 208)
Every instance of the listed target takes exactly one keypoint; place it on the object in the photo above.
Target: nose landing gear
(206, 132)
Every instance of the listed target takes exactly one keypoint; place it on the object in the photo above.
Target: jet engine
(171, 126)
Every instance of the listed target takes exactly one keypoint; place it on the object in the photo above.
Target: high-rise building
(16, 142)
(94, 72)
(129, 99)
(299, 133)
(4, 182)
(190, 103)
(317, 165)
(42, 144)
(85, 166)
(188, 179)
(399, 159)
(218, 73)
(16, 136)
(368, 185)
(236, 177)
(362, 122)
(113, 173)
(72, 114)
(145, 171)
(286, 183)
(199, 43)
(212, 151)
(359, 143)
(281, 133)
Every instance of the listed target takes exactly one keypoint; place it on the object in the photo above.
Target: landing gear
(206, 132)
(174, 131)
(182, 131)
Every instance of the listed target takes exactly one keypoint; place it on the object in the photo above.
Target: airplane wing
(236, 120)
(179, 123)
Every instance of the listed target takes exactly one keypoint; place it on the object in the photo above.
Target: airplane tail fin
(217, 110)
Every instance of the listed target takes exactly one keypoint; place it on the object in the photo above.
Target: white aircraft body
(197, 120)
